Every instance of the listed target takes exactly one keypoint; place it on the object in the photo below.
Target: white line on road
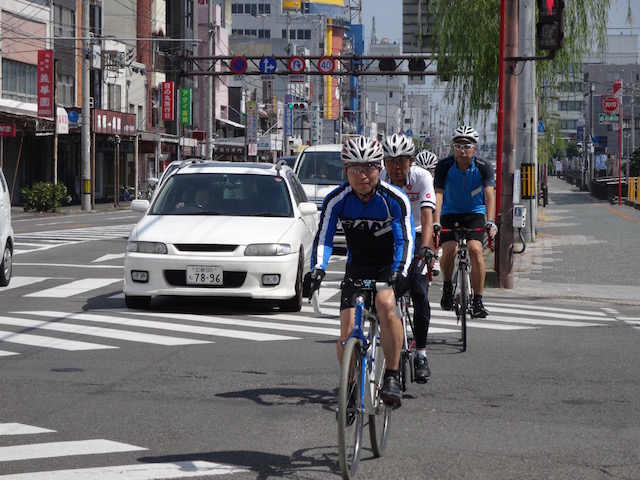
(175, 327)
(21, 429)
(74, 288)
(63, 449)
(99, 332)
(49, 342)
(144, 471)
(17, 282)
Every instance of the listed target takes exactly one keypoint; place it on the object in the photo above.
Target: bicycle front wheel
(379, 413)
(350, 413)
(464, 305)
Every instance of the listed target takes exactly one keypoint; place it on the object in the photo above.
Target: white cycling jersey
(419, 189)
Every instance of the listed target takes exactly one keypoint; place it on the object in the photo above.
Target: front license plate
(204, 275)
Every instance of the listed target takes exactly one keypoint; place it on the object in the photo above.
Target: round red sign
(610, 103)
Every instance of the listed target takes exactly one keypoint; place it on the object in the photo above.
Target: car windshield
(321, 168)
(224, 194)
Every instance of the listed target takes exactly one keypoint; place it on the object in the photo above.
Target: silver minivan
(320, 171)
(6, 233)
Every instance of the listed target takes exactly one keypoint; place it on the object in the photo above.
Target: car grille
(204, 247)
(178, 278)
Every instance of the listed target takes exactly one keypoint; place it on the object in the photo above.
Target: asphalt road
(547, 388)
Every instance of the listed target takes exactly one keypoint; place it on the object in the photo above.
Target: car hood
(220, 229)
(316, 193)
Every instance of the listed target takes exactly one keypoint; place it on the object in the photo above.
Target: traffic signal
(417, 65)
(387, 65)
(550, 26)
(298, 105)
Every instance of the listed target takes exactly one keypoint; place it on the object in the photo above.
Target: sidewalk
(578, 251)
(17, 212)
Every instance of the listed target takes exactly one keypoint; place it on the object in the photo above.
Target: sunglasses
(464, 146)
(396, 160)
(359, 169)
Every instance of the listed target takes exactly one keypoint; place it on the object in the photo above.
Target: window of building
(264, 33)
(188, 14)
(264, 8)
(66, 90)
(237, 8)
(570, 105)
(251, 32)
(19, 81)
(114, 100)
(64, 22)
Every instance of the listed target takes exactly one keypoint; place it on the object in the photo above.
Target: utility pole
(86, 110)
(210, 84)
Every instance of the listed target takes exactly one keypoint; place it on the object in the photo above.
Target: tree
(467, 34)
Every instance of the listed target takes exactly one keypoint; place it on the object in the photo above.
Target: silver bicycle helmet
(362, 150)
(466, 132)
(426, 159)
(397, 145)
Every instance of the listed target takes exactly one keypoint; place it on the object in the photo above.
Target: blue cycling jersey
(378, 233)
(463, 190)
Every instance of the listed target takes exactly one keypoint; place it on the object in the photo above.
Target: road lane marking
(142, 471)
(18, 282)
(63, 449)
(21, 429)
(49, 342)
(129, 336)
(176, 327)
(74, 288)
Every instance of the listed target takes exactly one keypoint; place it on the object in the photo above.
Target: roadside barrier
(633, 190)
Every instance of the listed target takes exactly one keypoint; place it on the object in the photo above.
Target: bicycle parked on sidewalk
(127, 193)
(462, 289)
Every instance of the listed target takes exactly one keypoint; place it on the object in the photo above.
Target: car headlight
(267, 249)
(146, 247)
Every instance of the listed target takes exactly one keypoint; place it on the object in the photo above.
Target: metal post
(210, 85)
(86, 111)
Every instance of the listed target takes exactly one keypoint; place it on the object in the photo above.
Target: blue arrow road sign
(268, 65)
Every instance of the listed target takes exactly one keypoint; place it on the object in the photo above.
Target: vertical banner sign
(167, 100)
(288, 115)
(7, 130)
(252, 122)
(185, 106)
(45, 83)
(528, 181)
(315, 124)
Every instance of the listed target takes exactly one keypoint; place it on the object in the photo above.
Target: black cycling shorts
(363, 272)
(468, 220)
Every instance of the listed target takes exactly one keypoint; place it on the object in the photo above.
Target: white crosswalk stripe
(77, 449)
(116, 328)
(37, 241)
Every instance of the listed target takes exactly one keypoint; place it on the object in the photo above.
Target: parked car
(6, 233)
(289, 160)
(319, 169)
(222, 229)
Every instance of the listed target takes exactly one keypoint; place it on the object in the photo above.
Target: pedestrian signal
(298, 105)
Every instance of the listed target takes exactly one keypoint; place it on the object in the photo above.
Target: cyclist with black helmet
(465, 195)
(378, 227)
(428, 160)
(418, 186)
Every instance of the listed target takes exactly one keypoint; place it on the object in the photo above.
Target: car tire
(6, 266)
(137, 303)
(294, 304)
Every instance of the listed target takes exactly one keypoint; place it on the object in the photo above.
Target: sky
(389, 20)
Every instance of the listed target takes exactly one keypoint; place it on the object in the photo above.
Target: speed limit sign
(326, 65)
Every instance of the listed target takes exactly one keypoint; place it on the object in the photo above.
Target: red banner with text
(167, 101)
(45, 83)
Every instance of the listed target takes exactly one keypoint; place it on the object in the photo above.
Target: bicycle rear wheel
(379, 413)
(350, 413)
(464, 305)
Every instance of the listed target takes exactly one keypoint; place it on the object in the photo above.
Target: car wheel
(6, 266)
(138, 303)
(294, 304)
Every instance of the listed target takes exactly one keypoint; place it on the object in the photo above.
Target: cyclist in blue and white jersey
(465, 194)
(417, 184)
(378, 227)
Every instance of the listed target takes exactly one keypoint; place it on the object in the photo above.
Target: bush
(45, 197)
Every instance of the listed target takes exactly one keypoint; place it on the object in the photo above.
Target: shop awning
(230, 123)
(22, 109)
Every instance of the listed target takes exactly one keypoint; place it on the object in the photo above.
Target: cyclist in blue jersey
(378, 227)
(465, 195)
(417, 183)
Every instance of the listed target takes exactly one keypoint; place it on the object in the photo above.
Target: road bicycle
(127, 193)
(462, 290)
(361, 379)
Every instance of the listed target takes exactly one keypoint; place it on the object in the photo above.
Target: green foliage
(45, 197)
(467, 33)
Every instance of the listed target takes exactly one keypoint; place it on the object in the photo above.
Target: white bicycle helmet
(466, 132)
(398, 145)
(426, 159)
(362, 150)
